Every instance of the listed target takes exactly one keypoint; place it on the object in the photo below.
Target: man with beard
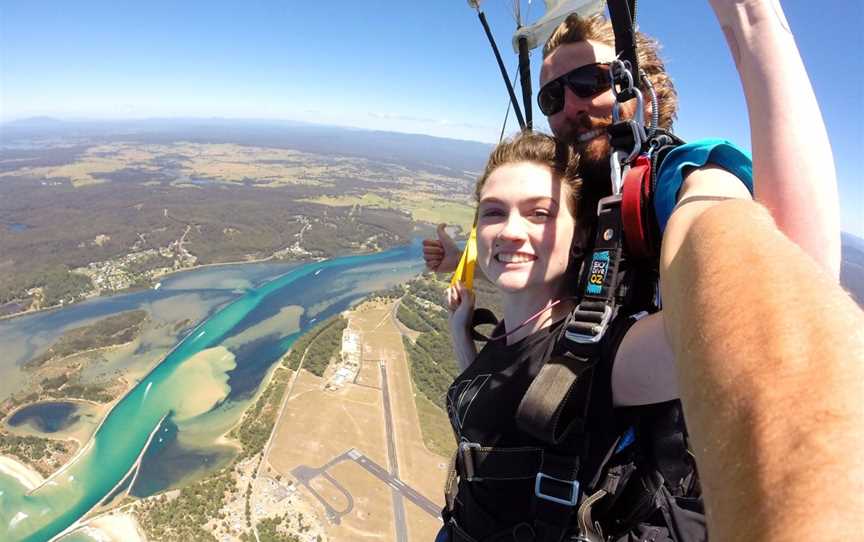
(796, 183)
(794, 166)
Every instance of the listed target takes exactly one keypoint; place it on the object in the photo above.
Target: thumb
(444, 237)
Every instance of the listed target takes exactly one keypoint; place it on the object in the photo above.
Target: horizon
(845, 228)
(406, 69)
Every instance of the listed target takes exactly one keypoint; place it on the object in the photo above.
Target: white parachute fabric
(556, 11)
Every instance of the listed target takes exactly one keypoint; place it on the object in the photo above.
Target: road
(305, 474)
(398, 503)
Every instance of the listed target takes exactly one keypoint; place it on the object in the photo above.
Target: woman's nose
(513, 228)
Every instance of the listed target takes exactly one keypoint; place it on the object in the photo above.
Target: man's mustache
(585, 123)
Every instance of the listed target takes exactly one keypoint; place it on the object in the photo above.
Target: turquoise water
(322, 288)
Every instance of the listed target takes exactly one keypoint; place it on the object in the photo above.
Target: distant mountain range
(411, 150)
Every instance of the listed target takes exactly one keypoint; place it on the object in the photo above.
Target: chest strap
(556, 402)
(476, 463)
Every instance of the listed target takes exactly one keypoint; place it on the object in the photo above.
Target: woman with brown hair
(533, 219)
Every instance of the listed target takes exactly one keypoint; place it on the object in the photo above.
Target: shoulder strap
(563, 384)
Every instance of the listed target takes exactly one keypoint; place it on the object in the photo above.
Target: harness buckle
(593, 333)
(465, 454)
(572, 485)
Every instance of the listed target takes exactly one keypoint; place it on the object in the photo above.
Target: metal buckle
(617, 171)
(468, 460)
(599, 329)
(620, 73)
(573, 484)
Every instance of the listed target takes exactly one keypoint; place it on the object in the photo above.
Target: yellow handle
(465, 270)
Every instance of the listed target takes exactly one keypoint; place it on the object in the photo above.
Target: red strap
(636, 187)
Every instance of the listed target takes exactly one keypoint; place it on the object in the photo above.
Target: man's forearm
(793, 167)
(771, 368)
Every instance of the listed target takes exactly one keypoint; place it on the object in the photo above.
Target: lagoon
(47, 416)
(246, 323)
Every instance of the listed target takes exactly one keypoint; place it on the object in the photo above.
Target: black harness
(602, 472)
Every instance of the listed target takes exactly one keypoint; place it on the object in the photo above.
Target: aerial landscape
(228, 298)
(239, 347)
(215, 319)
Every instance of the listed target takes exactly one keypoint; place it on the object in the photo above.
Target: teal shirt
(718, 152)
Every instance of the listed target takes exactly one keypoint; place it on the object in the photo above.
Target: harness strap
(483, 316)
(637, 184)
(478, 463)
(451, 485)
(669, 446)
(556, 494)
(562, 378)
(522, 532)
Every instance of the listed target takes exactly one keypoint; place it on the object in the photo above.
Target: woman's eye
(541, 214)
(492, 213)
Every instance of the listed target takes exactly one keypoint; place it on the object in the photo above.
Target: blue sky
(421, 67)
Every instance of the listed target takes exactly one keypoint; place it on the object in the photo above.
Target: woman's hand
(441, 255)
(460, 303)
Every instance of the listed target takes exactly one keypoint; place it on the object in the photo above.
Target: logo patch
(599, 269)
(460, 397)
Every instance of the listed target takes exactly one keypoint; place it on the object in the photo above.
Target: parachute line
(516, 109)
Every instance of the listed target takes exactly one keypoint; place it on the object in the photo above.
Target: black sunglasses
(584, 81)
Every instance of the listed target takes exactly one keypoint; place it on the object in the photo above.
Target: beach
(28, 477)
(113, 527)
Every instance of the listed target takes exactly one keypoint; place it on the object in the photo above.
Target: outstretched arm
(770, 356)
(792, 161)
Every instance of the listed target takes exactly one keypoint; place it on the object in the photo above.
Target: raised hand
(441, 254)
(460, 303)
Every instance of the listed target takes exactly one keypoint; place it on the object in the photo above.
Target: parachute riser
(525, 82)
(516, 109)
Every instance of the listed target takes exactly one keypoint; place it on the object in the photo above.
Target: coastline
(114, 527)
(81, 435)
(174, 272)
(270, 258)
(22, 472)
(276, 368)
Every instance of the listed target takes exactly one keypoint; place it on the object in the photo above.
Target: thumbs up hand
(441, 254)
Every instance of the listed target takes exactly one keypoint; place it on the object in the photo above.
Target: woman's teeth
(514, 258)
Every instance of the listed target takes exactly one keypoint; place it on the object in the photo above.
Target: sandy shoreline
(81, 433)
(28, 477)
(113, 527)
(271, 259)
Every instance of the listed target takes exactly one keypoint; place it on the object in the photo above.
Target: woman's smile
(514, 257)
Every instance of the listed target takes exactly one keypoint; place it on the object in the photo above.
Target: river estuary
(167, 426)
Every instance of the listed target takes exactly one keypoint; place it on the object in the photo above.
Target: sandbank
(28, 477)
(208, 370)
(114, 527)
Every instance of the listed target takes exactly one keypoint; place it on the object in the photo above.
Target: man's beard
(594, 166)
(593, 154)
